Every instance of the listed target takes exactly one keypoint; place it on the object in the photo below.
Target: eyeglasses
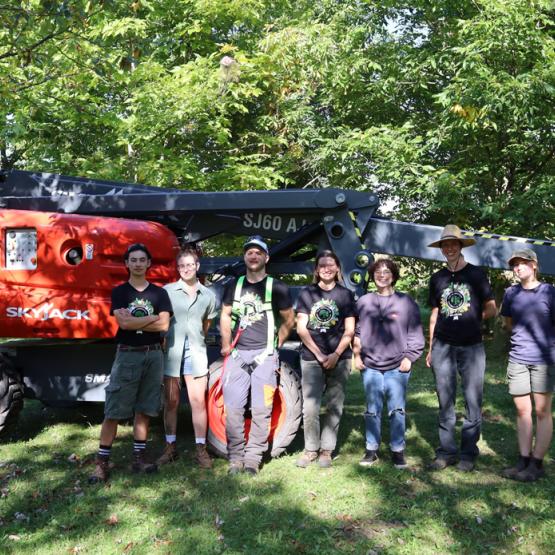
(383, 273)
(186, 266)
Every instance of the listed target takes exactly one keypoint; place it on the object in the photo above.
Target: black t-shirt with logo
(152, 300)
(460, 298)
(254, 336)
(326, 312)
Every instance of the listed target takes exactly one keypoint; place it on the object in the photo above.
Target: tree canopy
(445, 109)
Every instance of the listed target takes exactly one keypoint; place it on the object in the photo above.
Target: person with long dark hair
(326, 325)
(388, 341)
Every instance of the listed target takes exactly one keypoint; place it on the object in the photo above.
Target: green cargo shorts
(135, 384)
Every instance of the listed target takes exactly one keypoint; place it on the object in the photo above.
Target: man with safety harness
(250, 344)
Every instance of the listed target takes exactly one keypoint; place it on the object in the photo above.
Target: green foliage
(444, 108)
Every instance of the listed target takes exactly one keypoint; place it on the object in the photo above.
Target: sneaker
(370, 458)
(398, 459)
(531, 473)
(466, 465)
(307, 458)
(511, 472)
(202, 457)
(441, 463)
(139, 464)
(235, 467)
(324, 460)
(169, 455)
(101, 471)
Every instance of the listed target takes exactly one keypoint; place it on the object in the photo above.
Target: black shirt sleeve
(349, 308)
(303, 301)
(281, 296)
(165, 304)
(229, 292)
(119, 299)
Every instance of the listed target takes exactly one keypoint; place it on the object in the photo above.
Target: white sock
(200, 440)
(170, 439)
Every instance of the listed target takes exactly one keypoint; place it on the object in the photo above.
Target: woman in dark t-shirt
(326, 325)
(528, 312)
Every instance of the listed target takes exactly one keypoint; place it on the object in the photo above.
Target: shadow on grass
(347, 509)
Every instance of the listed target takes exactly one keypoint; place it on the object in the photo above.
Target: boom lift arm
(343, 220)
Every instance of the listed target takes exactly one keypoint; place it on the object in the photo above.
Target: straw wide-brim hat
(451, 231)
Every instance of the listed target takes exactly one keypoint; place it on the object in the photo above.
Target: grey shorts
(135, 384)
(530, 378)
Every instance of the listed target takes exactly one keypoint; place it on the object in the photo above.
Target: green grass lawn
(46, 505)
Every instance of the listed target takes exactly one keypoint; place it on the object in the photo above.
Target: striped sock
(104, 452)
(139, 446)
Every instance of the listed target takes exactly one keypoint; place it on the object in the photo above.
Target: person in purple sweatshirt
(528, 312)
(388, 340)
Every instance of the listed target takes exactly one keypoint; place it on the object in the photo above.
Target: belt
(140, 348)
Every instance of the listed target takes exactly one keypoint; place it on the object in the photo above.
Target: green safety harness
(240, 322)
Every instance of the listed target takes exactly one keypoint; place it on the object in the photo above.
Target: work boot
(532, 472)
(466, 465)
(307, 458)
(202, 457)
(251, 470)
(235, 467)
(169, 455)
(520, 465)
(101, 471)
(441, 463)
(324, 460)
(140, 465)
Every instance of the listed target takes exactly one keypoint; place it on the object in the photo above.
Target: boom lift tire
(286, 414)
(11, 394)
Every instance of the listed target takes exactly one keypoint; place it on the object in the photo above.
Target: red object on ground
(216, 413)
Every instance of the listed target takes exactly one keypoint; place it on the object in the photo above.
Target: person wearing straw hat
(528, 311)
(461, 297)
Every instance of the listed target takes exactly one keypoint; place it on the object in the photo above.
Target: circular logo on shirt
(251, 309)
(455, 300)
(324, 315)
(141, 307)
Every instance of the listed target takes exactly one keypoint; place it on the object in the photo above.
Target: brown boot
(324, 460)
(307, 458)
(169, 455)
(101, 471)
(202, 457)
(140, 465)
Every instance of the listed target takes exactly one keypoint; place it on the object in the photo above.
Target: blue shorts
(187, 364)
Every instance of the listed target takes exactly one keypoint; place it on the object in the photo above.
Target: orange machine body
(57, 271)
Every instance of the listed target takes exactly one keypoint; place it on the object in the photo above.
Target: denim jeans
(377, 386)
(470, 363)
(316, 380)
